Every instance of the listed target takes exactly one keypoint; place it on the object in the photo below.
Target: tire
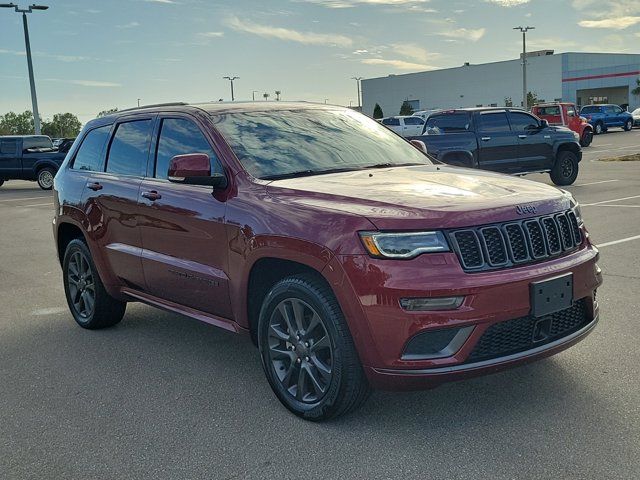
(304, 306)
(81, 279)
(45, 178)
(565, 170)
(586, 139)
(628, 126)
(599, 128)
(1, 182)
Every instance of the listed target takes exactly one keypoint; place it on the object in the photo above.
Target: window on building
(89, 156)
(493, 122)
(129, 148)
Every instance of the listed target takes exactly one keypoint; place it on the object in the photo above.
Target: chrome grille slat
(490, 247)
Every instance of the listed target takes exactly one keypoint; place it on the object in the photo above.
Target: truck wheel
(565, 171)
(90, 304)
(628, 125)
(45, 178)
(587, 138)
(1, 182)
(599, 128)
(307, 351)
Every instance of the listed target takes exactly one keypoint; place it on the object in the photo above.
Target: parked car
(350, 258)
(30, 157)
(424, 114)
(636, 117)
(406, 126)
(565, 115)
(503, 140)
(603, 117)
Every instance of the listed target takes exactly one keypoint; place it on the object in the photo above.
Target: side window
(392, 122)
(609, 109)
(129, 148)
(179, 136)
(36, 142)
(413, 121)
(571, 112)
(617, 110)
(8, 146)
(493, 122)
(89, 156)
(521, 122)
(448, 123)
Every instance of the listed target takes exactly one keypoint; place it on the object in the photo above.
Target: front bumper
(382, 329)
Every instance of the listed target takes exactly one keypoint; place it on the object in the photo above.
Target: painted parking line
(595, 183)
(36, 205)
(23, 198)
(609, 201)
(616, 206)
(616, 242)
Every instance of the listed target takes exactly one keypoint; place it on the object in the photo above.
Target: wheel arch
(460, 156)
(569, 146)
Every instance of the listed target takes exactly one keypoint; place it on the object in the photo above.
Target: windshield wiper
(307, 173)
(386, 165)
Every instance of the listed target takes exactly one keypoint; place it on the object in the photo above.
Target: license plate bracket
(551, 295)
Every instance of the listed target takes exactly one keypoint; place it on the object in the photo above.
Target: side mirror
(194, 169)
(419, 144)
(544, 123)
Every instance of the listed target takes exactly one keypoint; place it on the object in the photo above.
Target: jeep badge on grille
(525, 209)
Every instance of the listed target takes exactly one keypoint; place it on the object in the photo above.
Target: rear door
(497, 144)
(393, 123)
(183, 232)
(535, 149)
(620, 115)
(10, 163)
(111, 198)
(412, 126)
(610, 116)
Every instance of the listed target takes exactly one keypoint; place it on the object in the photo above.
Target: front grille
(513, 243)
(517, 335)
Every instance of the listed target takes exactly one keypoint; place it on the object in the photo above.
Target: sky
(92, 55)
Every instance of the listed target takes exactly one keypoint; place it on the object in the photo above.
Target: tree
(508, 102)
(266, 96)
(377, 112)
(532, 99)
(104, 113)
(63, 125)
(13, 123)
(278, 93)
(636, 91)
(406, 108)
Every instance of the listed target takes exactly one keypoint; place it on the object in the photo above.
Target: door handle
(152, 195)
(95, 186)
(485, 139)
(522, 136)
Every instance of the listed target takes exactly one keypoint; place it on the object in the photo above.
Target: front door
(182, 226)
(535, 148)
(497, 144)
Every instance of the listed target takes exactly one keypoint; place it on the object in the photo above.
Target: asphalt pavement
(166, 397)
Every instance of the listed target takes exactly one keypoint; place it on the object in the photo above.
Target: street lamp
(34, 99)
(253, 94)
(231, 79)
(357, 79)
(524, 31)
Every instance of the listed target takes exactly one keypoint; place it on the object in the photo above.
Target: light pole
(231, 79)
(138, 102)
(524, 31)
(34, 99)
(357, 79)
(253, 94)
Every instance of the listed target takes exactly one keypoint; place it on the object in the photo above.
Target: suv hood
(426, 196)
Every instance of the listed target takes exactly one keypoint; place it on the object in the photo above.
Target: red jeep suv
(350, 258)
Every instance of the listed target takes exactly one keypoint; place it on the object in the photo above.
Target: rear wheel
(45, 178)
(586, 139)
(628, 125)
(90, 304)
(307, 351)
(599, 128)
(565, 171)
(1, 182)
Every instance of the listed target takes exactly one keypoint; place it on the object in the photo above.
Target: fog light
(430, 304)
(440, 343)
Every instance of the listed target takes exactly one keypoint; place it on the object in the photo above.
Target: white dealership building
(583, 78)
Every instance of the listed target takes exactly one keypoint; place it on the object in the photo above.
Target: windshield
(283, 143)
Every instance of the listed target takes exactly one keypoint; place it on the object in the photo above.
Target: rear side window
(593, 109)
(392, 122)
(8, 146)
(413, 121)
(555, 110)
(493, 122)
(89, 156)
(521, 122)
(179, 136)
(130, 148)
(35, 143)
(448, 123)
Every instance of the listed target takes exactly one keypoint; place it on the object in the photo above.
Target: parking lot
(163, 396)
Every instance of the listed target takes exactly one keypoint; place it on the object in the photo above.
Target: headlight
(575, 206)
(576, 136)
(403, 245)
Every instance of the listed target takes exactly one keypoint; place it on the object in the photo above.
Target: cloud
(212, 34)
(616, 23)
(94, 83)
(355, 3)
(472, 34)
(399, 64)
(129, 25)
(414, 52)
(162, 1)
(508, 3)
(308, 38)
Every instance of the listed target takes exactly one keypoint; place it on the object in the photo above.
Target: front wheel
(599, 128)
(586, 139)
(565, 171)
(307, 351)
(45, 178)
(628, 125)
(90, 304)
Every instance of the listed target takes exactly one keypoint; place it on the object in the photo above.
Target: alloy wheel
(567, 167)
(300, 350)
(45, 179)
(82, 289)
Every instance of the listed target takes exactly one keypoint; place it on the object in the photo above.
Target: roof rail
(169, 104)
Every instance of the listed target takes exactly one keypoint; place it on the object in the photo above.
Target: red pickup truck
(565, 114)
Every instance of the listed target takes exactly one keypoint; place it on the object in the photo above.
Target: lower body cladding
(481, 323)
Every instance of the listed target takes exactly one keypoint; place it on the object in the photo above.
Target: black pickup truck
(503, 140)
(30, 157)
